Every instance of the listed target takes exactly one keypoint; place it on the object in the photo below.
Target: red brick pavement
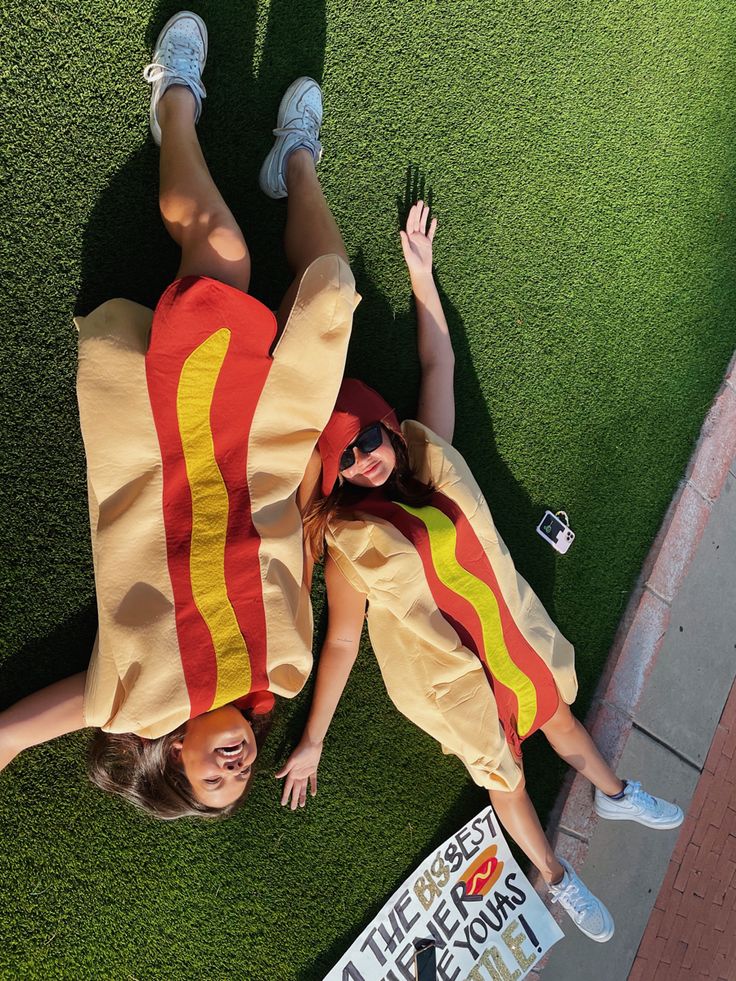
(691, 934)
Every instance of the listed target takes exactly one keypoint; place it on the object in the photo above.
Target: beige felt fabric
(135, 679)
(296, 402)
(430, 676)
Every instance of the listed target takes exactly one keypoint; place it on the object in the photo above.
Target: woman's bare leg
(193, 210)
(311, 231)
(572, 742)
(516, 813)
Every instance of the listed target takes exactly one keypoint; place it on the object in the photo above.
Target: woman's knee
(227, 242)
(502, 797)
(216, 230)
(191, 223)
(215, 248)
(562, 723)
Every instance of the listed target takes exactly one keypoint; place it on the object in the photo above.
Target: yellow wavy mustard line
(209, 515)
(442, 543)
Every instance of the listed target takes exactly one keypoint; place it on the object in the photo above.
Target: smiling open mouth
(231, 751)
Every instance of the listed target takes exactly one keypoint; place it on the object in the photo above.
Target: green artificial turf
(580, 159)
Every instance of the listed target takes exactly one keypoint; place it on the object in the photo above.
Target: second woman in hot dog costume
(198, 431)
(466, 649)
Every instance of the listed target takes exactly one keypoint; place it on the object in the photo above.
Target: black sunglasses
(370, 439)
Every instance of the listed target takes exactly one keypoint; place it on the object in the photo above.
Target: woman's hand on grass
(300, 771)
(416, 243)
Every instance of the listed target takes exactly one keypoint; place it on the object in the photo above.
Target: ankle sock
(620, 794)
(560, 880)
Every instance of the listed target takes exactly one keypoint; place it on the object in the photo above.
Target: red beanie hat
(357, 407)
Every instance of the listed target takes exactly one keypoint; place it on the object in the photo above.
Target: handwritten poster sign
(471, 899)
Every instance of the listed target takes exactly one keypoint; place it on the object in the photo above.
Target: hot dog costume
(196, 444)
(465, 647)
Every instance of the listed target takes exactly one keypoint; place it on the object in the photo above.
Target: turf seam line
(675, 752)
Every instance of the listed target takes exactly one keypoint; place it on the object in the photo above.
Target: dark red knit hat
(357, 407)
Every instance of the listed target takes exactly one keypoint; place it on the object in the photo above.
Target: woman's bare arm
(346, 608)
(44, 715)
(436, 407)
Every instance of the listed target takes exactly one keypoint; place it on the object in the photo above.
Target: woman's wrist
(423, 286)
(312, 739)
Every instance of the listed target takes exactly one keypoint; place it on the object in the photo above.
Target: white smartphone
(555, 529)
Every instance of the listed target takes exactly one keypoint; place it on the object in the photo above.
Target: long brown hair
(145, 773)
(403, 485)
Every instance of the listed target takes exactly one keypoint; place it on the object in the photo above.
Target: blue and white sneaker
(637, 805)
(297, 125)
(178, 59)
(585, 910)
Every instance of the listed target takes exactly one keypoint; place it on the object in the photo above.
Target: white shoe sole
(601, 938)
(654, 825)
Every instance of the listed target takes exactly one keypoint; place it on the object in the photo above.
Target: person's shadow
(126, 251)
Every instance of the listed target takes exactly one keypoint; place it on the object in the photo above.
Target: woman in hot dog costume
(198, 431)
(465, 648)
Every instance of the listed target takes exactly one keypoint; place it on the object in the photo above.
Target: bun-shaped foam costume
(465, 647)
(196, 444)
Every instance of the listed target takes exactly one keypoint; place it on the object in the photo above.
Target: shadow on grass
(126, 250)
(42, 661)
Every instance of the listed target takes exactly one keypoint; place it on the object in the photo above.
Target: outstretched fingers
(288, 784)
(295, 789)
(417, 221)
(424, 217)
(414, 221)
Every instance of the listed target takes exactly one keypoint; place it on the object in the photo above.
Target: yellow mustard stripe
(442, 543)
(209, 516)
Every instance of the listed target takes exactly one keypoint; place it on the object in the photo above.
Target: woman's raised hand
(300, 770)
(416, 241)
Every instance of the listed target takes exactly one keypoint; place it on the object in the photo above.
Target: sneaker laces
(309, 128)
(183, 68)
(638, 796)
(580, 900)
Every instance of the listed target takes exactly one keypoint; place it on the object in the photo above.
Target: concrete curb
(644, 624)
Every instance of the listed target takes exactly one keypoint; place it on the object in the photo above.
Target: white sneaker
(637, 805)
(178, 59)
(297, 125)
(586, 911)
